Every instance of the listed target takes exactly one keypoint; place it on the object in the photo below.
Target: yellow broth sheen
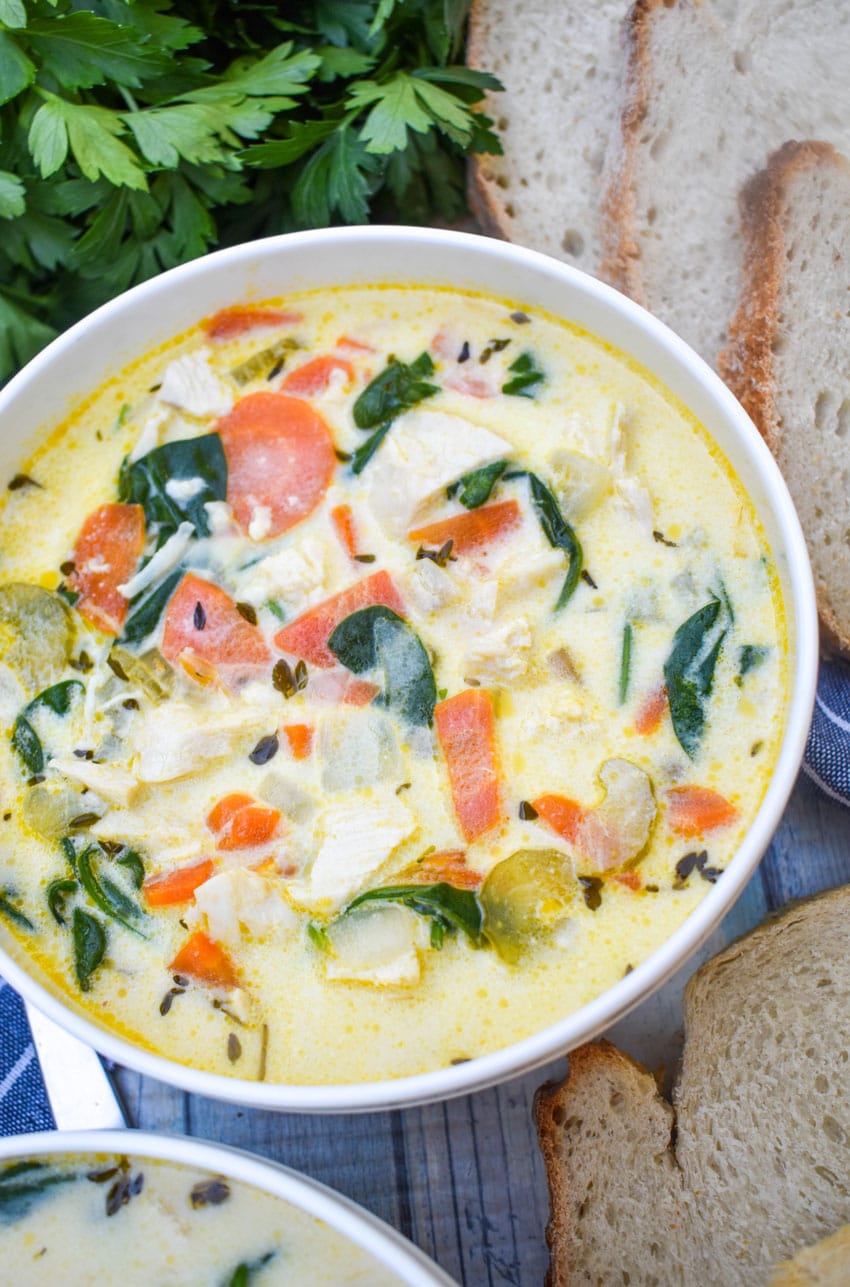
(554, 730)
(177, 1225)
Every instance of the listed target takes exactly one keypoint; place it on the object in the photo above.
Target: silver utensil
(81, 1095)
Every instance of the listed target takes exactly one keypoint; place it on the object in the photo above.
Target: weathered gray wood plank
(464, 1179)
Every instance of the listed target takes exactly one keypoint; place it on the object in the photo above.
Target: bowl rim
(347, 1217)
(611, 1005)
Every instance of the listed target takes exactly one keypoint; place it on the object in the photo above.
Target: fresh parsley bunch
(136, 134)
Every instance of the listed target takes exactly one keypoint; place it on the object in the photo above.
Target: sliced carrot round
(227, 323)
(307, 636)
(466, 728)
(472, 530)
(107, 551)
(692, 810)
(206, 961)
(315, 376)
(177, 886)
(280, 458)
(203, 621)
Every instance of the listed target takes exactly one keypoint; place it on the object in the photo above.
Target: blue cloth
(828, 748)
(23, 1099)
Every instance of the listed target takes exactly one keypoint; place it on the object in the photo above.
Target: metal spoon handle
(80, 1093)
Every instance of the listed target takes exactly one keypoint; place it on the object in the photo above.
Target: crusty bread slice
(712, 87)
(788, 356)
(560, 63)
(754, 1164)
(826, 1264)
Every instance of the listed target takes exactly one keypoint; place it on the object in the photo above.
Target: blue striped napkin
(23, 1099)
(828, 749)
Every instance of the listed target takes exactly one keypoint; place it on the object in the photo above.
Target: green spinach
(750, 657)
(451, 908)
(377, 639)
(147, 608)
(625, 661)
(13, 913)
(104, 893)
(527, 375)
(400, 386)
(689, 671)
(144, 482)
(22, 1183)
(57, 893)
(25, 740)
(559, 534)
(89, 939)
(474, 489)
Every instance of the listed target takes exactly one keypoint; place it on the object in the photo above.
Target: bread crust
(621, 259)
(747, 362)
(482, 193)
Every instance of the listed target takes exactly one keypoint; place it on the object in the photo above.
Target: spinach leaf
(27, 744)
(144, 481)
(25, 740)
(13, 913)
(242, 1274)
(474, 489)
(398, 388)
(527, 375)
(56, 894)
(376, 638)
(147, 608)
(689, 671)
(89, 938)
(22, 1183)
(451, 908)
(104, 893)
(559, 534)
(364, 453)
(750, 657)
(134, 864)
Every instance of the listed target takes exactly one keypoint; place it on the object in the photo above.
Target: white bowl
(81, 359)
(387, 1246)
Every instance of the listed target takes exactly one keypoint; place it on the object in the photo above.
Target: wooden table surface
(464, 1180)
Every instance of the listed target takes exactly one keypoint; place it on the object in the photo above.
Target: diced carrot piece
(203, 620)
(651, 711)
(206, 961)
(107, 551)
(300, 739)
(450, 866)
(280, 457)
(693, 809)
(359, 692)
(315, 376)
(358, 346)
(466, 728)
(562, 815)
(471, 530)
(177, 886)
(343, 521)
(630, 879)
(227, 323)
(307, 636)
(255, 824)
(224, 810)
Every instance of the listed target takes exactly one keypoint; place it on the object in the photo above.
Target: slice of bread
(826, 1264)
(560, 64)
(788, 356)
(751, 1163)
(711, 89)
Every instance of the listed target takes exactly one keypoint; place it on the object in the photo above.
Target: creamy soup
(136, 1221)
(386, 672)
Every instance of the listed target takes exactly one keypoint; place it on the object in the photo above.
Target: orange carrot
(177, 886)
(467, 733)
(358, 346)
(202, 621)
(359, 692)
(583, 828)
(227, 323)
(206, 961)
(255, 824)
(315, 376)
(472, 530)
(280, 457)
(651, 711)
(307, 636)
(562, 815)
(343, 521)
(630, 879)
(300, 739)
(224, 810)
(692, 810)
(449, 866)
(107, 551)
